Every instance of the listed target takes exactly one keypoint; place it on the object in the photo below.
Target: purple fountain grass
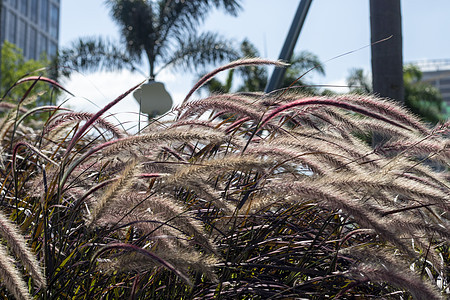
(195, 123)
(324, 151)
(170, 209)
(237, 123)
(325, 193)
(288, 154)
(166, 136)
(147, 253)
(18, 245)
(232, 65)
(69, 117)
(211, 167)
(436, 150)
(150, 175)
(427, 176)
(124, 181)
(126, 144)
(44, 79)
(225, 103)
(346, 124)
(426, 180)
(11, 106)
(11, 277)
(34, 149)
(240, 195)
(171, 235)
(395, 185)
(387, 108)
(392, 271)
(331, 102)
(166, 213)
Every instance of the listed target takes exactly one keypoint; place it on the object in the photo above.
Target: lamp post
(289, 44)
(153, 99)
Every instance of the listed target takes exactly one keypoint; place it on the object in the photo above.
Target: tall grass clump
(234, 196)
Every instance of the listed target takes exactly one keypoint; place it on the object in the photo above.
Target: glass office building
(33, 25)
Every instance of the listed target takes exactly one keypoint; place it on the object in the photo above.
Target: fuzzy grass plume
(238, 196)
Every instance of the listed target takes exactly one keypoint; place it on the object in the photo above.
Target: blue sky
(331, 28)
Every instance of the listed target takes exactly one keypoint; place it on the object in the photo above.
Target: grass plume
(236, 196)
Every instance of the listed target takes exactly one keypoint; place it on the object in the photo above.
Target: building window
(13, 3)
(34, 11)
(42, 45)
(44, 14)
(54, 21)
(445, 90)
(2, 25)
(445, 81)
(11, 35)
(22, 36)
(32, 53)
(24, 7)
(53, 49)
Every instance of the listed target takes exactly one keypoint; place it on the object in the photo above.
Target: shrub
(235, 197)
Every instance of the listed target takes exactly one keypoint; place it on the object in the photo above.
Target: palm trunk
(152, 70)
(151, 62)
(387, 57)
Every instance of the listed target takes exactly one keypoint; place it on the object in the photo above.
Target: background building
(437, 73)
(33, 25)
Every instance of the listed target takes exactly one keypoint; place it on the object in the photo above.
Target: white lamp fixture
(153, 99)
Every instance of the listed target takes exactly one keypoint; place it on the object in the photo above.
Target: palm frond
(94, 54)
(137, 20)
(195, 52)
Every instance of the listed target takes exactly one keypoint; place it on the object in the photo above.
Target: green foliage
(14, 67)
(421, 98)
(278, 201)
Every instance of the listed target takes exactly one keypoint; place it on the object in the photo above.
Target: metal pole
(289, 44)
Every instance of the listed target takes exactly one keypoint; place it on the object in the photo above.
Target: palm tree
(359, 82)
(162, 31)
(300, 64)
